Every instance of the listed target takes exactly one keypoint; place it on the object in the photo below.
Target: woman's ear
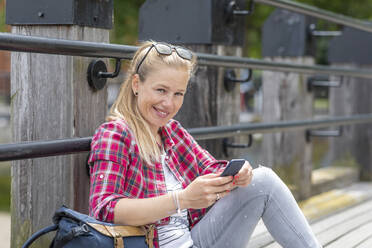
(135, 82)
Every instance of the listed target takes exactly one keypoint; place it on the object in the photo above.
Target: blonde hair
(125, 106)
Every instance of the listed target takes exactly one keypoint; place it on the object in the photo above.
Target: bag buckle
(80, 230)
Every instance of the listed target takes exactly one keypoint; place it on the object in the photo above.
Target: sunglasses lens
(184, 53)
(163, 49)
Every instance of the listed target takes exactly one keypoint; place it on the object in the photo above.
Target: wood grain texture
(355, 145)
(285, 98)
(51, 99)
(347, 228)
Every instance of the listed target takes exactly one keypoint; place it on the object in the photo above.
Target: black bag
(74, 229)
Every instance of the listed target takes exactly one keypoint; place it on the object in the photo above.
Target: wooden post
(51, 99)
(354, 147)
(207, 103)
(286, 98)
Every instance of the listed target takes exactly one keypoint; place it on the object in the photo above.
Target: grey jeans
(231, 221)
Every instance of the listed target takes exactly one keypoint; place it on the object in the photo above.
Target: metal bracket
(230, 79)
(97, 73)
(321, 81)
(322, 133)
(318, 33)
(226, 144)
(232, 10)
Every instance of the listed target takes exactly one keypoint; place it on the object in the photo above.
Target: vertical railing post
(353, 96)
(285, 97)
(51, 99)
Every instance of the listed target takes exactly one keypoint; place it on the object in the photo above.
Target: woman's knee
(264, 182)
(266, 178)
(263, 173)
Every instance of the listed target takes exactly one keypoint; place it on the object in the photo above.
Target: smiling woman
(146, 169)
(144, 101)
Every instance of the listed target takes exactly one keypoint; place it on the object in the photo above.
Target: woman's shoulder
(112, 141)
(114, 129)
(117, 125)
(176, 130)
(174, 126)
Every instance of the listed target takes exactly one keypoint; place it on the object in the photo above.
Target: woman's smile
(161, 113)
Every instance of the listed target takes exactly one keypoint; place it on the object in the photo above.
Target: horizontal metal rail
(38, 149)
(319, 13)
(35, 149)
(4, 116)
(34, 44)
(239, 129)
(22, 43)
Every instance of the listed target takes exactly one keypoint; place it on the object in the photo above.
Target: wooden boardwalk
(348, 228)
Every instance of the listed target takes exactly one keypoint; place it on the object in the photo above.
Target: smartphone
(233, 167)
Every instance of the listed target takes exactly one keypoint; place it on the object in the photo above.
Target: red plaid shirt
(118, 170)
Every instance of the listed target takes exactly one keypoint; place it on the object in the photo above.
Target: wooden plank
(335, 232)
(262, 238)
(353, 238)
(273, 245)
(340, 218)
(354, 147)
(367, 243)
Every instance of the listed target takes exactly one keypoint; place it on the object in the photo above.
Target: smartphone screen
(233, 167)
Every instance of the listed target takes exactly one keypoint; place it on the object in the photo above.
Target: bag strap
(118, 232)
(38, 234)
(149, 229)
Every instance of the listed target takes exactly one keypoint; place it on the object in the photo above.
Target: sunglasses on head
(165, 49)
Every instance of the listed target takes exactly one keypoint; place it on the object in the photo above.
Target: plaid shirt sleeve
(109, 160)
(105, 191)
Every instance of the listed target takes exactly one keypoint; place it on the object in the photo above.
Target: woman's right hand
(202, 192)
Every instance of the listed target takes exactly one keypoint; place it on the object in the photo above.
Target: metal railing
(319, 13)
(35, 149)
(22, 43)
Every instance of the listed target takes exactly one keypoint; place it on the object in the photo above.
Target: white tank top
(176, 233)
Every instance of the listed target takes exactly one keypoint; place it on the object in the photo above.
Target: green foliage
(5, 193)
(3, 27)
(320, 150)
(5, 183)
(126, 15)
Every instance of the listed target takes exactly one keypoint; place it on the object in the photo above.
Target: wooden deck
(350, 227)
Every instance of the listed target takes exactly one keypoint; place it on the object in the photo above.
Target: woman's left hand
(244, 176)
